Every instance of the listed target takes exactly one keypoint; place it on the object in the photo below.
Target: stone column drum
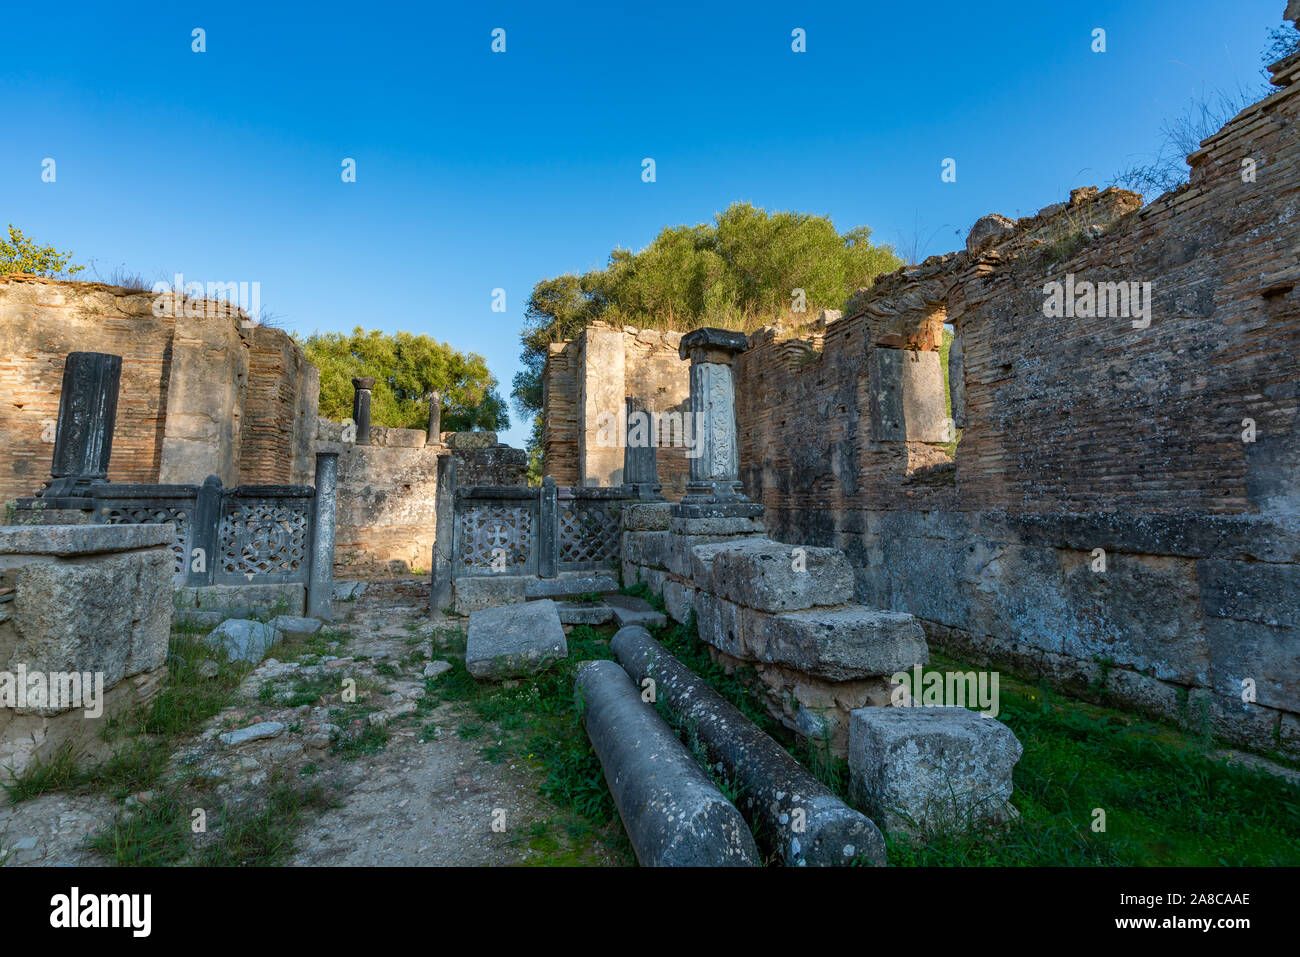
(361, 407)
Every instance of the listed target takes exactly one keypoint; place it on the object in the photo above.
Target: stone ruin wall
(592, 375)
(199, 396)
(1079, 433)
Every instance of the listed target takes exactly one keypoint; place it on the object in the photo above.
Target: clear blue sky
(478, 170)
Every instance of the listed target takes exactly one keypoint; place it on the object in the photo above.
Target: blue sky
(478, 171)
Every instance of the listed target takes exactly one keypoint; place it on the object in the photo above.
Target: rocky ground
(343, 715)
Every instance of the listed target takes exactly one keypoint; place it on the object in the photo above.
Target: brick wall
(184, 408)
(588, 377)
(1081, 433)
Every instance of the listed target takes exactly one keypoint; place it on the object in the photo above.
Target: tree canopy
(20, 253)
(406, 369)
(739, 271)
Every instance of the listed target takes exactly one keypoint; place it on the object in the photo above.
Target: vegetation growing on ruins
(1077, 757)
(21, 253)
(1201, 118)
(407, 369)
(740, 271)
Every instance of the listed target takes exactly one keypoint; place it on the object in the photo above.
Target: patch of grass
(538, 722)
(154, 834)
(43, 776)
(1167, 801)
(262, 836)
(371, 739)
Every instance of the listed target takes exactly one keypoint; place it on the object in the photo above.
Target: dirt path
(408, 790)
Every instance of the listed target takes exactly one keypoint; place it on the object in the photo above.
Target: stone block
(242, 639)
(679, 600)
(469, 441)
(584, 612)
(646, 548)
(476, 592)
(771, 576)
(109, 614)
(628, 610)
(907, 396)
(569, 587)
(65, 540)
(650, 517)
(514, 640)
(838, 644)
(922, 770)
(294, 627)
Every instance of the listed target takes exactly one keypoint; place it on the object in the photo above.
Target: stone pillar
(444, 534)
(715, 457)
(320, 585)
(83, 439)
(203, 533)
(640, 456)
(434, 435)
(548, 530)
(361, 407)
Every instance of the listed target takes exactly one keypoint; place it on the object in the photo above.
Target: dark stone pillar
(640, 456)
(83, 440)
(203, 533)
(320, 582)
(361, 407)
(434, 435)
(444, 534)
(548, 530)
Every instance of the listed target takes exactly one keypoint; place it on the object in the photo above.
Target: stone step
(630, 610)
(839, 643)
(569, 587)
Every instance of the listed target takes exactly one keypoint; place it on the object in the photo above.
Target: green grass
(537, 722)
(1167, 800)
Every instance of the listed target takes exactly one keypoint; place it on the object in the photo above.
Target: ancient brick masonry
(200, 394)
(588, 378)
(1104, 523)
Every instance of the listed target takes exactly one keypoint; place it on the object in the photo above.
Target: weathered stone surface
(584, 612)
(673, 813)
(646, 548)
(435, 668)
(348, 590)
(771, 576)
(109, 614)
(243, 639)
(797, 816)
(293, 627)
(254, 732)
(679, 600)
(242, 601)
(649, 517)
(839, 644)
(469, 441)
(907, 394)
(474, 593)
(925, 769)
(65, 540)
(988, 231)
(629, 610)
(569, 587)
(514, 640)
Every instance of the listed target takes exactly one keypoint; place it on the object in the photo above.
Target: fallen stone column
(673, 813)
(793, 813)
